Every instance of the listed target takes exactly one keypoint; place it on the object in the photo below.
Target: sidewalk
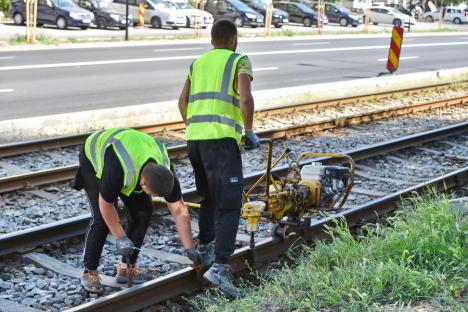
(55, 36)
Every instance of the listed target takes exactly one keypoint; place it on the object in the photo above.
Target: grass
(40, 38)
(421, 257)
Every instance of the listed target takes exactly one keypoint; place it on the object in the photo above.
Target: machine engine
(307, 189)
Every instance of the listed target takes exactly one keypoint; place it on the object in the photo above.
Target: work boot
(138, 277)
(91, 281)
(219, 276)
(207, 254)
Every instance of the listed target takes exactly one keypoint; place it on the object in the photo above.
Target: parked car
(194, 17)
(158, 13)
(400, 8)
(278, 17)
(339, 14)
(452, 14)
(235, 11)
(300, 13)
(63, 13)
(387, 15)
(105, 15)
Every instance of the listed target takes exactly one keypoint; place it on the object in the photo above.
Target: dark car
(278, 17)
(340, 15)
(235, 11)
(105, 15)
(62, 13)
(300, 13)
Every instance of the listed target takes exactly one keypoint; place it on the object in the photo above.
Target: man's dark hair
(223, 31)
(159, 179)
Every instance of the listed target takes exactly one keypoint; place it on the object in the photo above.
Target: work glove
(124, 246)
(251, 140)
(194, 255)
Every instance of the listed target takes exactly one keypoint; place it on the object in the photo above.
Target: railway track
(71, 140)
(187, 280)
(64, 173)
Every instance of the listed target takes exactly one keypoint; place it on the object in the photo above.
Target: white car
(158, 13)
(388, 15)
(451, 14)
(194, 17)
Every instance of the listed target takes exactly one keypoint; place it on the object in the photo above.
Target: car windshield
(160, 4)
(394, 11)
(260, 4)
(64, 3)
(305, 8)
(101, 5)
(170, 4)
(184, 5)
(240, 5)
(343, 9)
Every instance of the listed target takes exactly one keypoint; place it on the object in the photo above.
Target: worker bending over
(130, 165)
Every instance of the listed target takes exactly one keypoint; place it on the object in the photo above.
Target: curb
(163, 112)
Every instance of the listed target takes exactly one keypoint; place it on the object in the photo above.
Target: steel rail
(29, 180)
(11, 149)
(12, 242)
(187, 280)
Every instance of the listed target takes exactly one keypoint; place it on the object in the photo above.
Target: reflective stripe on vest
(133, 149)
(224, 94)
(215, 118)
(220, 116)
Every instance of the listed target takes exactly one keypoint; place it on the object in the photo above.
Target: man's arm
(110, 216)
(183, 100)
(246, 100)
(182, 220)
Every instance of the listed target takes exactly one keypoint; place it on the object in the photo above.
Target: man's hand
(251, 140)
(124, 246)
(194, 255)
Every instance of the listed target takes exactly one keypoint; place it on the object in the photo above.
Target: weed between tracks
(421, 258)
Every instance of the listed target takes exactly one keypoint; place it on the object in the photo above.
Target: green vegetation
(40, 38)
(422, 257)
(4, 6)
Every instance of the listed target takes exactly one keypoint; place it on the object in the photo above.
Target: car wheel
(84, 27)
(175, 27)
(375, 23)
(457, 20)
(122, 27)
(343, 22)
(307, 22)
(278, 25)
(397, 22)
(61, 22)
(156, 22)
(429, 19)
(187, 22)
(18, 18)
(238, 22)
(101, 23)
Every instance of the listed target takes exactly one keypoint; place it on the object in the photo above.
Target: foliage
(4, 6)
(423, 257)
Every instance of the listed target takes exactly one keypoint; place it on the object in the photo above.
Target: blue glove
(251, 140)
(124, 246)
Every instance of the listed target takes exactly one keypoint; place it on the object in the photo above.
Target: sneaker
(91, 281)
(219, 276)
(138, 277)
(207, 254)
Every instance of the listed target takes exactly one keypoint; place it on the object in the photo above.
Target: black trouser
(139, 208)
(217, 165)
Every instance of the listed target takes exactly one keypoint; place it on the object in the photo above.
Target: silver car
(388, 15)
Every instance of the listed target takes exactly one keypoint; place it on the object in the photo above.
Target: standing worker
(132, 165)
(216, 104)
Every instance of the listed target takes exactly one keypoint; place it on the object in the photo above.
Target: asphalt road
(34, 83)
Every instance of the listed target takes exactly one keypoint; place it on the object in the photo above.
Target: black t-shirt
(111, 182)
